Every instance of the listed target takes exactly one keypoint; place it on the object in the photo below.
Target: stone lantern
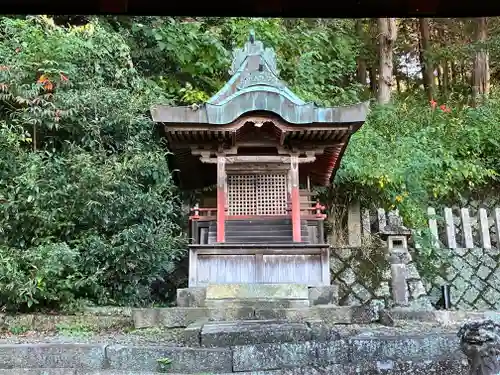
(396, 235)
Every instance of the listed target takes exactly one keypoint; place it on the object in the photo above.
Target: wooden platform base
(294, 263)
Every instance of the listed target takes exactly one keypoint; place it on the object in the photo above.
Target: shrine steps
(258, 231)
(251, 332)
(174, 317)
(237, 302)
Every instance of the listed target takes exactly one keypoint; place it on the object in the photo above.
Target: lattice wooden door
(260, 194)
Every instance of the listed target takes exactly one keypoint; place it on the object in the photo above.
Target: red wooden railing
(198, 213)
(314, 212)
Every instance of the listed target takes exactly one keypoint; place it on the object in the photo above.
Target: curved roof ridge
(256, 86)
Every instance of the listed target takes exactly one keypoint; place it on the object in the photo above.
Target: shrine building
(263, 148)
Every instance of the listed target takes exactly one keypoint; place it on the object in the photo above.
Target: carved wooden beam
(308, 151)
(258, 159)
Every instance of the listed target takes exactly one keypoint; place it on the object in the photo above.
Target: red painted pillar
(295, 196)
(221, 198)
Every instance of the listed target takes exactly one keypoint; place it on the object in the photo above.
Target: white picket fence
(451, 228)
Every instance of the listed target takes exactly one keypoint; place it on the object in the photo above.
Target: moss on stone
(50, 323)
(371, 264)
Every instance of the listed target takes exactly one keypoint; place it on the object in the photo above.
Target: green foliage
(74, 330)
(409, 154)
(92, 214)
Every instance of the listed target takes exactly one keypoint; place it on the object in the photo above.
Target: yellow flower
(399, 199)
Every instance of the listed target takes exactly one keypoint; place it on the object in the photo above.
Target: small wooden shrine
(262, 147)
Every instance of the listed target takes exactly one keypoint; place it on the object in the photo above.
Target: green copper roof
(255, 86)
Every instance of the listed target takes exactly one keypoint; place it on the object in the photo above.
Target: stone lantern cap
(394, 227)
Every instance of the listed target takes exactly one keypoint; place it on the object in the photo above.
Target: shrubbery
(89, 211)
(414, 153)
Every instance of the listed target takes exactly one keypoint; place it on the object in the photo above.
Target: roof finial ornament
(252, 36)
(253, 47)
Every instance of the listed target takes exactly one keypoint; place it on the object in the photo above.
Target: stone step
(255, 291)
(257, 304)
(257, 228)
(256, 234)
(319, 295)
(71, 371)
(397, 315)
(389, 353)
(345, 353)
(237, 223)
(438, 367)
(259, 239)
(264, 228)
(175, 317)
(261, 225)
(94, 358)
(225, 334)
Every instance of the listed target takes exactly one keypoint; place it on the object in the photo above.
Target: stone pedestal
(277, 295)
(398, 258)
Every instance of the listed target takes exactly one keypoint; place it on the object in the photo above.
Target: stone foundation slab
(184, 316)
(273, 356)
(79, 356)
(258, 303)
(326, 313)
(275, 295)
(253, 332)
(256, 291)
(182, 360)
(443, 317)
(396, 355)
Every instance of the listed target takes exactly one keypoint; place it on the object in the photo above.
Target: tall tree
(481, 70)
(361, 60)
(425, 63)
(445, 66)
(387, 36)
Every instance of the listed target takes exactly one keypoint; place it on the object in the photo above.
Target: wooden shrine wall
(300, 266)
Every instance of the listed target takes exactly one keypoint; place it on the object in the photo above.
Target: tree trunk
(373, 80)
(437, 69)
(398, 80)
(446, 79)
(387, 36)
(454, 73)
(361, 62)
(426, 65)
(481, 70)
(445, 72)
